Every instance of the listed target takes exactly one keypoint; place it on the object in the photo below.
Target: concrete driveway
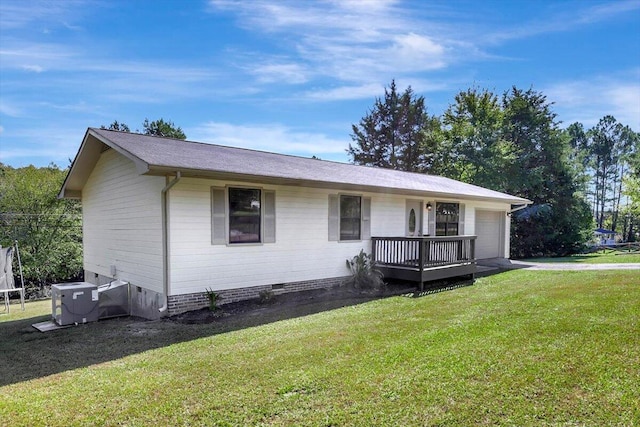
(573, 266)
(508, 264)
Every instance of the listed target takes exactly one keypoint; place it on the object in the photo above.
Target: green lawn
(606, 257)
(31, 310)
(518, 348)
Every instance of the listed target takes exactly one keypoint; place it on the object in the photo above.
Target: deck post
(373, 251)
(472, 249)
(421, 260)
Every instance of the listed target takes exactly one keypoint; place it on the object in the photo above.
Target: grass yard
(602, 257)
(518, 348)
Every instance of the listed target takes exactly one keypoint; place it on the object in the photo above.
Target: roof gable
(161, 156)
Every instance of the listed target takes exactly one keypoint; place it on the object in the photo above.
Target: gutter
(165, 240)
(518, 208)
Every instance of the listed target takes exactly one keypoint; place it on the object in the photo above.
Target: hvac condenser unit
(74, 303)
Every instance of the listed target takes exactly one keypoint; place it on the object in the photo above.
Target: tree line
(513, 143)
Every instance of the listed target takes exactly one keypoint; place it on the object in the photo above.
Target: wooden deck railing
(424, 258)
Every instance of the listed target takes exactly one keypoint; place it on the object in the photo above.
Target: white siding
(122, 222)
(302, 250)
(122, 227)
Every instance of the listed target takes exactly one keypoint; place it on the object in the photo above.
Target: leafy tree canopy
(397, 133)
(116, 126)
(161, 128)
(158, 127)
(48, 230)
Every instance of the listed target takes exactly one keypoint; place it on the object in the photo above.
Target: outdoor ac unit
(74, 303)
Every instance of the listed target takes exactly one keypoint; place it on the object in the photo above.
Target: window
(412, 222)
(244, 215)
(349, 217)
(350, 213)
(447, 219)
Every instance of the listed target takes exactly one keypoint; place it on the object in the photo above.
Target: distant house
(604, 237)
(175, 218)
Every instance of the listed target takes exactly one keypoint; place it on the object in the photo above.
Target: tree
(161, 128)
(116, 126)
(609, 146)
(48, 230)
(397, 133)
(576, 138)
(604, 139)
(477, 151)
(155, 128)
(631, 181)
(560, 222)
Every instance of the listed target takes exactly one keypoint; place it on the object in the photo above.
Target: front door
(413, 218)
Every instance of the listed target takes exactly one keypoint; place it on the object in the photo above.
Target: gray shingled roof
(162, 155)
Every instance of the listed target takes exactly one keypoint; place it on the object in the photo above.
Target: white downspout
(165, 241)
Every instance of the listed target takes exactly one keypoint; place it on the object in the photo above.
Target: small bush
(266, 296)
(363, 273)
(213, 299)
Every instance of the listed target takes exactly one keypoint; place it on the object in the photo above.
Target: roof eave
(86, 159)
(342, 186)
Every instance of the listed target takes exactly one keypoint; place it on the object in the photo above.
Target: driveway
(508, 264)
(572, 266)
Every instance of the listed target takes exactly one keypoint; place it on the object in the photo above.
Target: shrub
(363, 273)
(266, 296)
(213, 299)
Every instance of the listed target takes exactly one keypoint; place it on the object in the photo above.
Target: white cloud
(36, 57)
(588, 100)
(10, 110)
(33, 68)
(370, 90)
(274, 138)
(350, 41)
(22, 147)
(291, 73)
(413, 51)
(561, 18)
(18, 14)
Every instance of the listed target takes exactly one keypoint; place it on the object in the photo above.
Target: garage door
(490, 234)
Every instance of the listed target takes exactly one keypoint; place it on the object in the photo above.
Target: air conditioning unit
(74, 303)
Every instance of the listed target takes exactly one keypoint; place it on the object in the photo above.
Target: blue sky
(293, 76)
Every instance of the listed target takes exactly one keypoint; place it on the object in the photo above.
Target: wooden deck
(423, 259)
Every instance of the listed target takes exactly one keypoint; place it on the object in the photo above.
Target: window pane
(412, 222)
(447, 219)
(350, 213)
(244, 215)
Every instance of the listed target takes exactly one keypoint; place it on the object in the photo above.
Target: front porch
(423, 259)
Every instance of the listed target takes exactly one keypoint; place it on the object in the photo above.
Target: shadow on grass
(27, 354)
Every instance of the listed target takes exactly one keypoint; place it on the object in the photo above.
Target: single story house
(176, 218)
(604, 237)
